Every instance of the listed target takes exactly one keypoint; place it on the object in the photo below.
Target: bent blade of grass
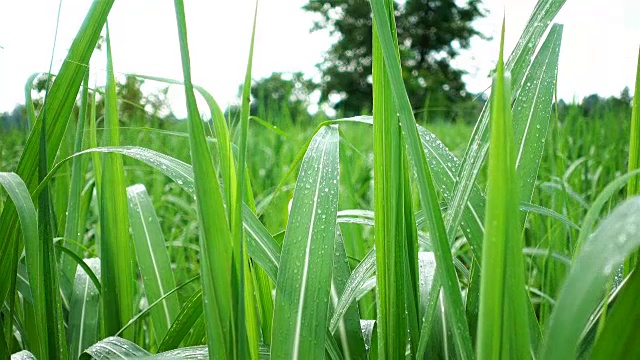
(224, 144)
(304, 278)
(617, 236)
(114, 347)
(359, 276)
(190, 313)
(153, 259)
(116, 257)
(83, 310)
(261, 246)
(619, 338)
(424, 183)
(61, 99)
(593, 214)
(503, 318)
(349, 334)
(19, 195)
(215, 235)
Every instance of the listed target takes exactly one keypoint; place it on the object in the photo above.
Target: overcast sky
(599, 48)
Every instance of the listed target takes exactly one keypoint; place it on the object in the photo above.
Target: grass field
(231, 239)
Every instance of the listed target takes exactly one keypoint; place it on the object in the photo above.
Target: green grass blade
(17, 191)
(388, 175)
(116, 251)
(503, 318)
(349, 334)
(601, 255)
(634, 150)
(365, 269)
(215, 235)
(426, 191)
(113, 348)
(59, 106)
(190, 313)
(304, 278)
(444, 166)
(619, 338)
(593, 214)
(73, 227)
(84, 309)
(634, 138)
(246, 320)
(532, 111)
(153, 259)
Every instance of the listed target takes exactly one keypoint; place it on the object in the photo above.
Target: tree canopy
(430, 34)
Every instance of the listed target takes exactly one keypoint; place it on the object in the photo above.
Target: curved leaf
(603, 252)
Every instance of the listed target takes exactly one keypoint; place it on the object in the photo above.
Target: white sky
(599, 48)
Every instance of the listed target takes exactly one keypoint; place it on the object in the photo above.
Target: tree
(282, 97)
(431, 33)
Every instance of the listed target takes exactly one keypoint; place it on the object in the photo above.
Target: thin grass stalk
(246, 343)
(72, 231)
(116, 250)
(215, 235)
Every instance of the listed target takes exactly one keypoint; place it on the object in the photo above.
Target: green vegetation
(262, 232)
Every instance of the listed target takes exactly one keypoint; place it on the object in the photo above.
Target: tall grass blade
(73, 227)
(503, 318)
(153, 259)
(116, 251)
(215, 235)
(246, 316)
(388, 175)
(617, 236)
(54, 330)
(304, 278)
(84, 308)
(424, 184)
